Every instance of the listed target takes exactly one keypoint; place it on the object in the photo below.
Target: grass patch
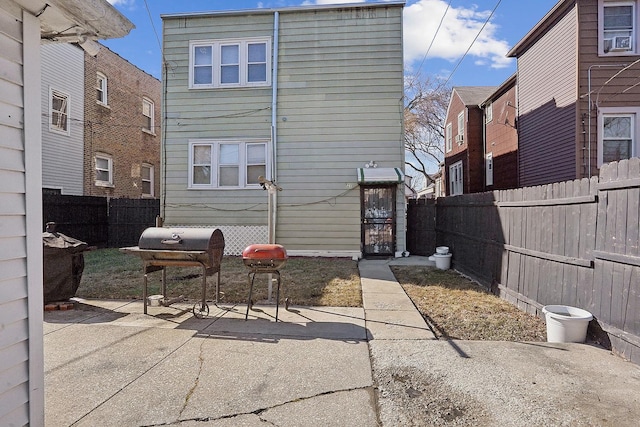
(458, 308)
(110, 274)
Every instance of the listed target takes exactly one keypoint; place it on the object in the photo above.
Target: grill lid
(265, 256)
(181, 239)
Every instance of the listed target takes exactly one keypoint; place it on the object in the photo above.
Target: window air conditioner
(617, 44)
(460, 139)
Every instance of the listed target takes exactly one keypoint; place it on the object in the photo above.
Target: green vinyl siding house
(307, 98)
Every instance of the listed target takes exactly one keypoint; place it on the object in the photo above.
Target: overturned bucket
(566, 323)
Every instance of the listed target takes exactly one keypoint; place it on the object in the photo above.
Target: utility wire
(434, 37)
(472, 43)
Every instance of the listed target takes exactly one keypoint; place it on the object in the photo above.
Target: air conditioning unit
(617, 44)
(460, 139)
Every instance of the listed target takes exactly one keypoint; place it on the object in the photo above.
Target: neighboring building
(63, 118)
(122, 128)
(464, 140)
(24, 23)
(309, 97)
(578, 97)
(501, 138)
(101, 131)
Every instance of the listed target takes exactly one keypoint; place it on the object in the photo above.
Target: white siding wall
(21, 376)
(62, 155)
(339, 106)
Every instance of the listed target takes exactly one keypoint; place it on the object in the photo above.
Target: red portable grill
(264, 258)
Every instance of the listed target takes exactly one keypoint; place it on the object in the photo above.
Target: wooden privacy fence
(100, 221)
(573, 243)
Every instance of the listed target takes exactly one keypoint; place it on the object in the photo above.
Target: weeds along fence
(573, 243)
(100, 221)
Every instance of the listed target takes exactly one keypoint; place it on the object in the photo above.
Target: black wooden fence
(573, 243)
(100, 221)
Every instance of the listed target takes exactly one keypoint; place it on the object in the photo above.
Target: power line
(434, 37)
(472, 43)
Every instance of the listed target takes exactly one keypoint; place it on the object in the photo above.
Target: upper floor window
(448, 137)
(617, 139)
(227, 163)
(147, 112)
(146, 175)
(230, 63)
(101, 88)
(618, 25)
(59, 111)
(488, 112)
(460, 134)
(104, 170)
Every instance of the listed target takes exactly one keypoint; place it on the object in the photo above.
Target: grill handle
(171, 241)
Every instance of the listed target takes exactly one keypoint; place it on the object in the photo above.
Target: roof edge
(282, 9)
(546, 22)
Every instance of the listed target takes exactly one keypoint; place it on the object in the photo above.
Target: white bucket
(566, 323)
(155, 300)
(443, 261)
(442, 250)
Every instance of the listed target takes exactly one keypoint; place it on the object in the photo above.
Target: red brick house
(122, 128)
(501, 138)
(464, 148)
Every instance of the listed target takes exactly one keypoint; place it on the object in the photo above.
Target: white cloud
(120, 2)
(459, 27)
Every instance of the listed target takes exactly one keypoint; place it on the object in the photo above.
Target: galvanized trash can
(63, 263)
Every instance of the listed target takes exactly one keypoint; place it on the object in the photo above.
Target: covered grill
(160, 247)
(264, 258)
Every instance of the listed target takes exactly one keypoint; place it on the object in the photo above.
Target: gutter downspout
(274, 129)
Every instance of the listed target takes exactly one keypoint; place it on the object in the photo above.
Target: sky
(462, 42)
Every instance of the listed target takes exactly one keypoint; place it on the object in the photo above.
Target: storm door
(378, 213)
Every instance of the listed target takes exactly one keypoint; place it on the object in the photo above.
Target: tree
(426, 102)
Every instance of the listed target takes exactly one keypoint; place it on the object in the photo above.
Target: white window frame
(448, 137)
(488, 112)
(147, 104)
(634, 113)
(456, 176)
(101, 87)
(488, 163)
(151, 182)
(60, 128)
(109, 170)
(602, 37)
(214, 163)
(216, 49)
(460, 133)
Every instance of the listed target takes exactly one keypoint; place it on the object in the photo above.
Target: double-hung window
(147, 113)
(230, 63)
(104, 170)
(455, 179)
(146, 175)
(101, 88)
(59, 111)
(447, 137)
(227, 163)
(617, 134)
(618, 25)
(460, 134)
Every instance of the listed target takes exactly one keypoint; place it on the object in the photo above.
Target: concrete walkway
(107, 364)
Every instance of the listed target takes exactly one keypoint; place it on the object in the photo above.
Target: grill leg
(218, 288)
(204, 287)
(277, 273)
(144, 292)
(251, 279)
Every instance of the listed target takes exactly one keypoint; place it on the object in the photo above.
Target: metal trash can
(63, 264)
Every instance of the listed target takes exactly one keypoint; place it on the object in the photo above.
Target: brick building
(122, 134)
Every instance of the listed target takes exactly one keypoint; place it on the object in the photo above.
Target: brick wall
(116, 130)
